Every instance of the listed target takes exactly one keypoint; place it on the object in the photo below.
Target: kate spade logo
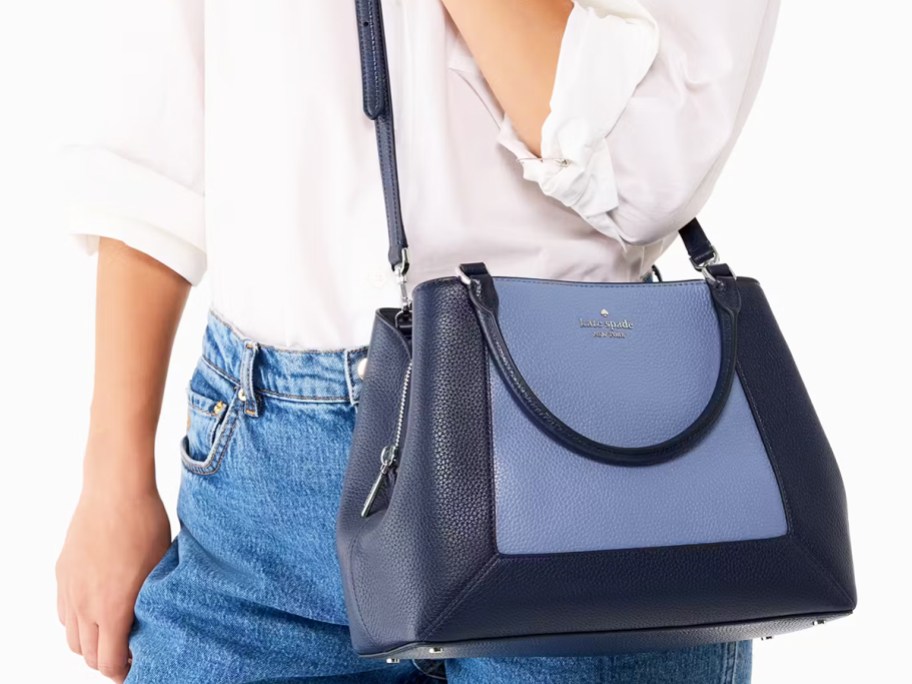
(605, 326)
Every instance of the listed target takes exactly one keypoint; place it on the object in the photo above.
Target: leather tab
(698, 246)
(481, 285)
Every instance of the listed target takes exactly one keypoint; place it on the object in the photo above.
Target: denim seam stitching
(221, 445)
(272, 393)
(202, 412)
(726, 673)
(213, 461)
(224, 374)
(348, 379)
(301, 398)
(734, 662)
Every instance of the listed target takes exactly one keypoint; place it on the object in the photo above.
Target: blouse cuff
(107, 195)
(607, 48)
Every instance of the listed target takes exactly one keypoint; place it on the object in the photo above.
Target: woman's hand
(120, 528)
(118, 533)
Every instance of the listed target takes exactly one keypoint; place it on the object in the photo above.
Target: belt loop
(247, 393)
(354, 360)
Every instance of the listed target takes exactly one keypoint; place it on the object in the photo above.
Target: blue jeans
(250, 589)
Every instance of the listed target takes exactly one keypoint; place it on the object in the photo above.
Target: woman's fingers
(61, 606)
(88, 641)
(72, 630)
(114, 541)
(113, 651)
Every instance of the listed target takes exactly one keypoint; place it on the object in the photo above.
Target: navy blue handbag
(545, 467)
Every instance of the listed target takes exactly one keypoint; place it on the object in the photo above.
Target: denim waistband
(308, 375)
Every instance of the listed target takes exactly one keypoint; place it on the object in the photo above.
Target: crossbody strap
(378, 106)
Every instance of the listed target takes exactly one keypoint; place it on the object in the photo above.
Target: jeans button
(361, 367)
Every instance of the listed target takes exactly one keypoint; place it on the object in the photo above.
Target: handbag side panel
(433, 530)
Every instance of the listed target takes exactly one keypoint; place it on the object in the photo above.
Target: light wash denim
(250, 589)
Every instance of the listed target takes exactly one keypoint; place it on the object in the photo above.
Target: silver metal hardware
(714, 259)
(361, 367)
(387, 462)
(401, 269)
(435, 649)
(389, 455)
(462, 276)
(703, 267)
(818, 622)
(392, 661)
(242, 395)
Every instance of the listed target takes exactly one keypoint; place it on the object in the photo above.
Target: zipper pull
(390, 454)
(387, 462)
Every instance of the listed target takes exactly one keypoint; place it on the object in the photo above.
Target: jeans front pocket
(212, 414)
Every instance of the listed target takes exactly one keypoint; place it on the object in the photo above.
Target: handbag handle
(483, 296)
(727, 302)
(378, 106)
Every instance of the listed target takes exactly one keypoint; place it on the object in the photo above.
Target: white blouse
(227, 137)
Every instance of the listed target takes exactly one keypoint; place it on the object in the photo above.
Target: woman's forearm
(516, 44)
(139, 305)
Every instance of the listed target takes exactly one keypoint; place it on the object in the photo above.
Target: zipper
(389, 455)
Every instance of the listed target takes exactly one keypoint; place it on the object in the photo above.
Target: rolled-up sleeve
(648, 101)
(130, 157)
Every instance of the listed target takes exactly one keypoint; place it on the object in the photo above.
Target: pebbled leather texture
(646, 383)
(389, 354)
(550, 500)
(798, 447)
(408, 560)
(643, 386)
(425, 567)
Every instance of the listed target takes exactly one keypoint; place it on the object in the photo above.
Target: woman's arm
(120, 528)
(516, 44)
(647, 99)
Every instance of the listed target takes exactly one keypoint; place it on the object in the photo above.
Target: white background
(814, 203)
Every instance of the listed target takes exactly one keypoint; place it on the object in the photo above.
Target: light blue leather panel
(626, 386)
(633, 377)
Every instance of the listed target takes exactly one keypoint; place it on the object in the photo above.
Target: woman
(545, 137)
